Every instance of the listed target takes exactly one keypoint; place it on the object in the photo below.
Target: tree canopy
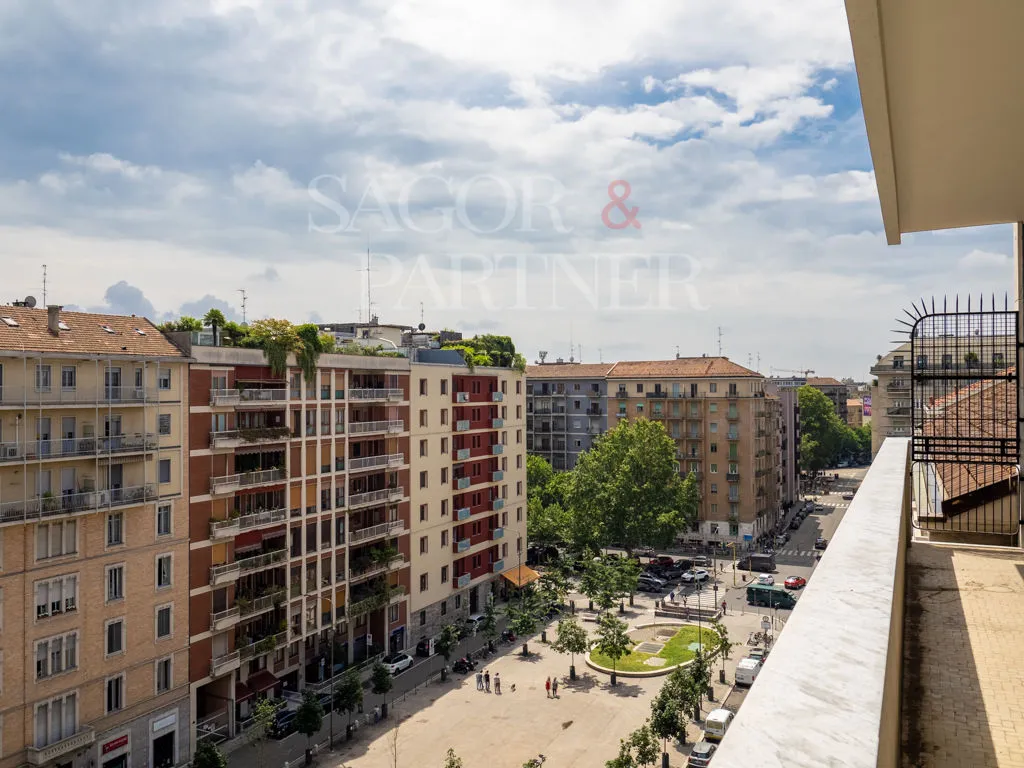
(825, 439)
(489, 350)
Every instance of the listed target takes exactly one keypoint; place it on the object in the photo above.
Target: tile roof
(85, 334)
(680, 368)
(569, 371)
(854, 402)
(824, 381)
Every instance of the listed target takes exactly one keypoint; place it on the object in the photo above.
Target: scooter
(464, 666)
(508, 636)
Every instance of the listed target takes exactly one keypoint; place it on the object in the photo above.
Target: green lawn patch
(676, 651)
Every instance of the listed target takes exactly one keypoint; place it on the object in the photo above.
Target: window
(115, 582)
(922, 361)
(714, 447)
(444, 386)
(423, 582)
(947, 362)
(519, 487)
(163, 571)
(42, 378)
(163, 520)
(444, 607)
(444, 538)
(713, 427)
(519, 461)
(163, 622)
(56, 720)
(115, 637)
(115, 529)
(115, 694)
(713, 408)
(163, 378)
(519, 435)
(56, 539)
(714, 487)
(458, 602)
(163, 422)
(165, 471)
(68, 377)
(423, 479)
(519, 387)
(519, 515)
(423, 545)
(444, 446)
(444, 475)
(714, 469)
(56, 596)
(712, 387)
(423, 418)
(423, 513)
(423, 447)
(998, 361)
(56, 655)
(163, 675)
(217, 382)
(444, 507)
(423, 614)
(897, 361)
(392, 614)
(639, 389)
(423, 386)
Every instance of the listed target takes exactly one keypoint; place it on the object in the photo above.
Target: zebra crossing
(795, 553)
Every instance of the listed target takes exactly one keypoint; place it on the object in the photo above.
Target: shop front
(114, 751)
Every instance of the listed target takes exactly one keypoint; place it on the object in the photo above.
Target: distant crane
(804, 373)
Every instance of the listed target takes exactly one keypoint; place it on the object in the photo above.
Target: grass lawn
(676, 651)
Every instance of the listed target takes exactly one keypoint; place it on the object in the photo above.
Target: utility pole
(245, 298)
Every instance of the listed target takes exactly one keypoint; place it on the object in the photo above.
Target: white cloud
(978, 259)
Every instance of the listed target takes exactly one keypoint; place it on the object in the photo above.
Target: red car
(796, 582)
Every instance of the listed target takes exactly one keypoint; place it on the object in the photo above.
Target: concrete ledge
(838, 664)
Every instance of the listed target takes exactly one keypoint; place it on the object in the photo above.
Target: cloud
(978, 259)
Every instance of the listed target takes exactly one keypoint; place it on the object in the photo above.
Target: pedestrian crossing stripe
(795, 552)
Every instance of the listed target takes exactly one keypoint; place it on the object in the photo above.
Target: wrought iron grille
(962, 415)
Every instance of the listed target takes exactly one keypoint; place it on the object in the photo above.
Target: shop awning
(521, 575)
(261, 681)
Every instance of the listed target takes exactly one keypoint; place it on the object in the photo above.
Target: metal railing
(374, 531)
(77, 447)
(219, 619)
(260, 604)
(273, 396)
(224, 663)
(370, 462)
(265, 560)
(79, 740)
(102, 395)
(246, 480)
(263, 645)
(42, 507)
(375, 394)
(261, 518)
(368, 497)
(249, 435)
(224, 396)
(365, 427)
(223, 572)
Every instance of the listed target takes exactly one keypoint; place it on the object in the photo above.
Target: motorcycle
(508, 636)
(464, 665)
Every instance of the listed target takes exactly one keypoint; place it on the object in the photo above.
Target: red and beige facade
(93, 542)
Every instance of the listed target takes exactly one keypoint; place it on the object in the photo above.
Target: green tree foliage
(627, 490)
(552, 589)
(665, 720)
(489, 350)
(572, 639)
(263, 716)
(381, 681)
(538, 474)
(208, 756)
(723, 645)
(600, 581)
(214, 318)
(348, 693)
(525, 612)
(640, 749)
(451, 760)
(308, 350)
(277, 339)
(447, 641)
(489, 625)
(309, 717)
(612, 638)
(821, 430)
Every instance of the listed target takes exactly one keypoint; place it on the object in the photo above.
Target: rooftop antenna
(750, 360)
(580, 348)
(600, 355)
(421, 313)
(44, 285)
(245, 299)
(719, 341)
(369, 301)
(758, 369)
(570, 342)
(677, 351)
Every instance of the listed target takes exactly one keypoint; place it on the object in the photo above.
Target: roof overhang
(942, 88)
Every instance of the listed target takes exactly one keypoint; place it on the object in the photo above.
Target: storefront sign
(165, 722)
(110, 746)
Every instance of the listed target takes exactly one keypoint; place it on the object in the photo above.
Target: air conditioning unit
(140, 394)
(11, 451)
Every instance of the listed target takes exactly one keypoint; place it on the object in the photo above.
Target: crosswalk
(795, 553)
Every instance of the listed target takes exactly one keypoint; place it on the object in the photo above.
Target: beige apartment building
(468, 468)
(717, 413)
(93, 542)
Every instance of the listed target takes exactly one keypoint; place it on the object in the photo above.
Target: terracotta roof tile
(824, 381)
(681, 368)
(569, 371)
(85, 334)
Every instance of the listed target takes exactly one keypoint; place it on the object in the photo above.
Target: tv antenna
(421, 314)
(719, 341)
(571, 347)
(369, 302)
(245, 299)
(44, 285)
(600, 355)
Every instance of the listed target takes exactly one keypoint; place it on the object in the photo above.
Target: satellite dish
(422, 326)
(30, 301)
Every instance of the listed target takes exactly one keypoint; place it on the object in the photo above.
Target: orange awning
(521, 575)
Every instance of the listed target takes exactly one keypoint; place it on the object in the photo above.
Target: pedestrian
(487, 681)
(554, 688)
(497, 683)
(547, 687)
(479, 681)
(724, 606)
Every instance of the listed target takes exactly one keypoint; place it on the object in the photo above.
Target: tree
(451, 760)
(348, 695)
(447, 642)
(699, 673)
(821, 430)
(309, 719)
(683, 688)
(722, 646)
(627, 490)
(263, 716)
(208, 756)
(626, 576)
(545, 525)
(552, 589)
(307, 351)
(524, 615)
(641, 748)
(277, 339)
(665, 721)
(215, 319)
(612, 639)
(600, 582)
(538, 474)
(381, 682)
(489, 625)
(572, 639)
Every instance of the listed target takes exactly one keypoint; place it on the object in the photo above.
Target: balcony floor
(962, 679)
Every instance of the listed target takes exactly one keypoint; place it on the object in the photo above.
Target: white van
(747, 671)
(716, 724)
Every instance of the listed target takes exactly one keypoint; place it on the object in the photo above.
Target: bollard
(572, 672)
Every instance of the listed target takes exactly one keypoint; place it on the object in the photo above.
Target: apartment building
(566, 409)
(93, 672)
(468, 469)
(789, 438)
(716, 411)
(299, 524)
(855, 413)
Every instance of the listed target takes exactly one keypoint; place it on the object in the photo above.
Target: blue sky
(158, 157)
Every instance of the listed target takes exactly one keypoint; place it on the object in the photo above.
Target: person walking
(497, 682)
(554, 688)
(724, 607)
(547, 687)
(479, 681)
(487, 681)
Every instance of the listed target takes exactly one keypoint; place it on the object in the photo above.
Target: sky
(596, 179)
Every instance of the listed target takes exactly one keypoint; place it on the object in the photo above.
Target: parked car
(684, 563)
(795, 582)
(847, 497)
(649, 583)
(283, 724)
(397, 662)
(766, 579)
(781, 539)
(672, 572)
(758, 653)
(663, 560)
(473, 623)
(795, 523)
(700, 755)
(747, 671)
(702, 561)
(695, 576)
(423, 647)
(820, 543)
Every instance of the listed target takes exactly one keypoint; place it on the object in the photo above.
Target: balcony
(231, 483)
(497, 476)
(227, 662)
(103, 396)
(462, 425)
(262, 519)
(376, 531)
(371, 427)
(265, 560)
(656, 394)
(497, 449)
(497, 505)
(462, 483)
(223, 619)
(462, 545)
(497, 566)
(732, 477)
(262, 646)
(497, 533)
(260, 604)
(376, 394)
(223, 529)
(371, 568)
(372, 603)
(462, 454)
(497, 423)
(232, 438)
(497, 397)
(225, 573)
(461, 582)
(462, 513)
(898, 411)
(894, 386)
(221, 397)
(76, 742)
(372, 462)
(77, 447)
(259, 397)
(41, 508)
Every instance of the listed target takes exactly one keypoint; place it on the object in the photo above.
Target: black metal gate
(963, 418)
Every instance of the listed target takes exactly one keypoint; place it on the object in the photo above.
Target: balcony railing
(462, 454)
(224, 396)
(497, 505)
(223, 573)
(497, 423)
(462, 581)
(462, 425)
(462, 513)
(732, 477)
(223, 619)
(43, 507)
(372, 569)
(77, 447)
(234, 437)
(462, 483)
(854, 710)
(374, 602)
(497, 449)
(376, 531)
(497, 397)
(375, 394)
(898, 411)
(223, 529)
(259, 562)
(263, 396)
(369, 497)
(497, 533)
(229, 483)
(369, 427)
(497, 566)
(84, 737)
(497, 476)
(262, 519)
(462, 397)
(56, 395)
(224, 663)
(264, 645)
(260, 604)
(370, 462)
(462, 545)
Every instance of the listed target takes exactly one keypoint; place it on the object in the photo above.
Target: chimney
(53, 318)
